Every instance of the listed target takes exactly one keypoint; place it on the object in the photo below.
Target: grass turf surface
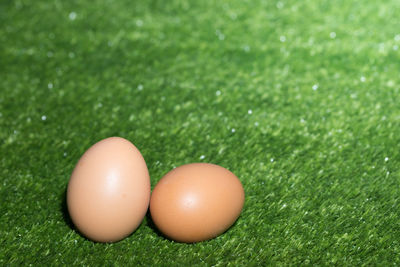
(298, 98)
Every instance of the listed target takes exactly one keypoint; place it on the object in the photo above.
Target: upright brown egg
(109, 190)
(196, 202)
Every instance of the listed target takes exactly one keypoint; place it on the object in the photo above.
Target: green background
(298, 98)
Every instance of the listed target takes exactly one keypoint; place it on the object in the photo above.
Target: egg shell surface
(196, 202)
(109, 190)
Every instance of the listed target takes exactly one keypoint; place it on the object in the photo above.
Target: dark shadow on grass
(65, 213)
(64, 210)
(150, 223)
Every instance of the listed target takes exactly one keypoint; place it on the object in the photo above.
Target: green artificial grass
(300, 99)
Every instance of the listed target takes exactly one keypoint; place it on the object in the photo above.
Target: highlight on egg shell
(196, 202)
(108, 193)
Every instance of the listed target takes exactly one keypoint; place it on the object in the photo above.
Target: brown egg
(109, 190)
(196, 202)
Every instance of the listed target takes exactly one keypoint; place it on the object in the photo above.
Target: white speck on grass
(65, 154)
(50, 85)
(249, 112)
(202, 157)
(282, 39)
(284, 206)
(302, 120)
(381, 48)
(363, 79)
(139, 23)
(386, 159)
(233, 130)
(397, 37)
(315, 87)
(218, 93)
(256, 123)
(272, 160)
(395, 47)
(246, 48)
(219, 34)
(44, 117)
(332, 35)
(72, 15)
(140, 87)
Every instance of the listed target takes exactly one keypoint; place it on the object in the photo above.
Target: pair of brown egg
(108, 196)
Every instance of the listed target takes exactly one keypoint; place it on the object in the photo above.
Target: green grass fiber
(300, 99)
